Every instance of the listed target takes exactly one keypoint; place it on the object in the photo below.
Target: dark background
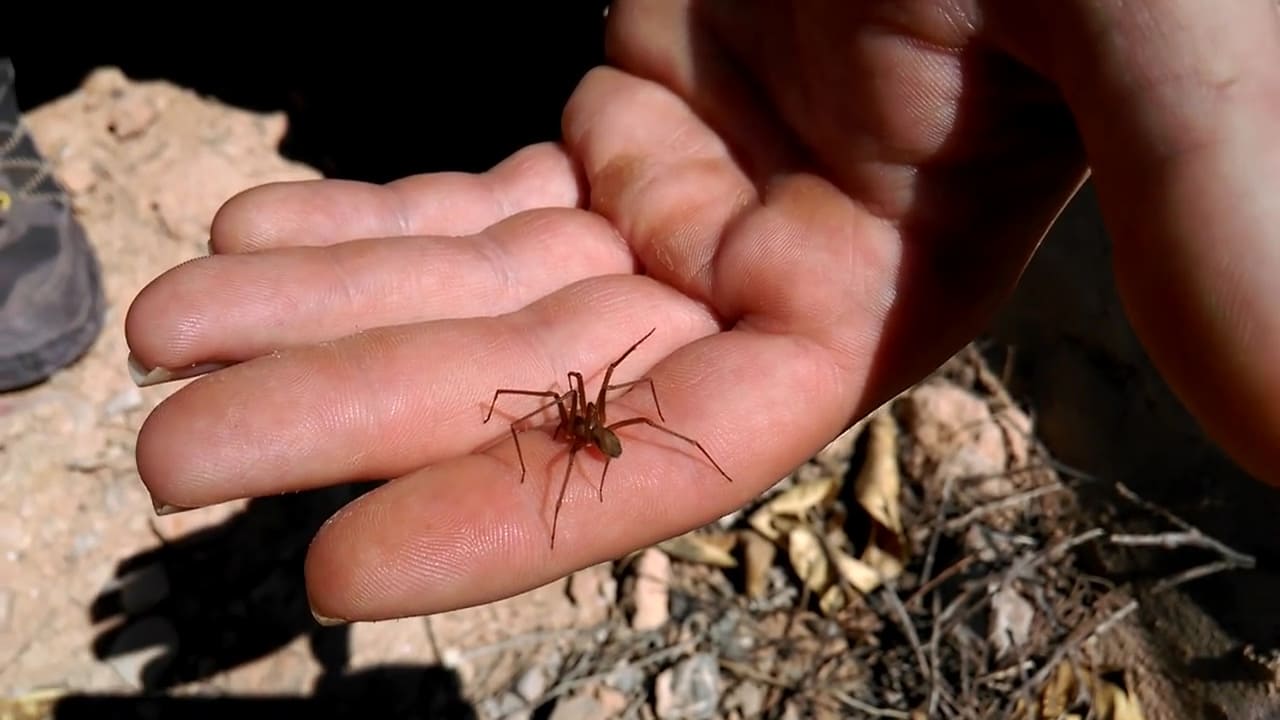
(368, 98)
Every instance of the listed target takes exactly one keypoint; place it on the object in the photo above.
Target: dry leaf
(833, 601)
(857, 573)
(791, 505)
(879, 481)
(759, 553)
(887, 564)
(809, 558)
(701, 547)
(1114, 702)
(1059, 693)
(35, 705)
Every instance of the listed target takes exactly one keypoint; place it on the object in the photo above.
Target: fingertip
(304, 213)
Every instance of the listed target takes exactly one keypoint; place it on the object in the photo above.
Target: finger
(895, 292)
(325, 212)
(466, 531)
(226, 309)
(387, 401)
(1178, 107)
(667, 44)
(673, 204)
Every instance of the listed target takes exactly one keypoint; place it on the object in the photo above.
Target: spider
(584, 424)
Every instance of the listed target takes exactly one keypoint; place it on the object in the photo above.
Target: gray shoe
(51, 300)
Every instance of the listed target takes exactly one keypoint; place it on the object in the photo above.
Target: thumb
(1177, 102)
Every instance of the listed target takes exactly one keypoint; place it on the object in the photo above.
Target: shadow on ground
(231, 594)
(220, 597)
(391, 691)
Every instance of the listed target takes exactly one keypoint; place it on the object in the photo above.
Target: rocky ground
(935, 561)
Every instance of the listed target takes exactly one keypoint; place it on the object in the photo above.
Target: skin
(815, 204)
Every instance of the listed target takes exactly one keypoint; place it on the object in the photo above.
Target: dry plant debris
(926, 564)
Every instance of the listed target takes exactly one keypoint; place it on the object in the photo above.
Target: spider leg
(563, 427)
(555, 517)
(608, 374)
(580, 408)
(535, 393)
(656, 426)
(632, 384)
(558, 402)
(602, 474)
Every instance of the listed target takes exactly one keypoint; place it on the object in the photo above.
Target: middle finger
(382, 403)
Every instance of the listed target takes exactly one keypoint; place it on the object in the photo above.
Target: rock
(612, 702)
(129, 398)
(1011, 617)
(626, 678)
(747, 698)
(651, 594)
(507, 706)
(577, 707)
(593, 591)
(690, 690)
(728, 635)
(532, 684)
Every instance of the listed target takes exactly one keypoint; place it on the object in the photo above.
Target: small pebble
(612, 702)
(653, 576)
(508, 706)
(626, 679)
(128, 399)
(690, 690)
(577, 707)
(532, 684)
(747, 698)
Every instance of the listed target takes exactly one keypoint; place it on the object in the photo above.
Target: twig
(1018, 569)
(1194, 573)
(904, 619)
(527, 638)
(1071, 645)
(1057, 550)
(750, 673)
(956, 568)
(963, 521)
(935, 535)
(867, 708)
(1186, 538)
(935, 686)
(656, 656)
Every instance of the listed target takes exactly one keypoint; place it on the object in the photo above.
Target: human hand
(814, 204)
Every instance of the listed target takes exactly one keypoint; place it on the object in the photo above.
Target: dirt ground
(936, 561)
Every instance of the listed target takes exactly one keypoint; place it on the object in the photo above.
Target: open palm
(811, 207)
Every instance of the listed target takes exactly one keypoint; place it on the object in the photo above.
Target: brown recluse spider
(584, 424)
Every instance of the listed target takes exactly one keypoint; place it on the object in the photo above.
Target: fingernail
(144, 376)
(163, 509)
(326, 621)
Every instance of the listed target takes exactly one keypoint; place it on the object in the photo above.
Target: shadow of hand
(219, 597)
